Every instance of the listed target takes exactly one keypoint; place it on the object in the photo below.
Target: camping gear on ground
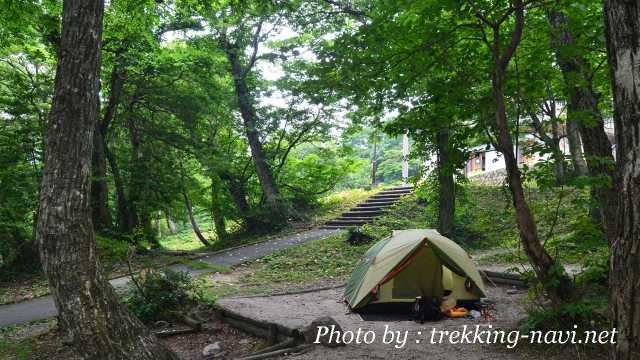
(448, 302)
(426, 309)
(412, 263)
(457, 312)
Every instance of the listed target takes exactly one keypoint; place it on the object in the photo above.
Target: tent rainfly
(411, 263)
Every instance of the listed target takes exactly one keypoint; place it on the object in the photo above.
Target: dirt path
(43, 307)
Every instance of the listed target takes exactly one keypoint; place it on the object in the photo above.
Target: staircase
(370, 209)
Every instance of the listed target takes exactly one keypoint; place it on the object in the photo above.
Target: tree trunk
(158, 224)
(101, 214)
(374, 163)
(583, 109)
(575, 149)
(126, 220)
(173, 229)
(239, 194)
(446, 185)
(99, 188)
(216, 208)
(249, 117)
(99, 326)
(137, 176)
(622, 24)
(192, 219)
(558, 156)
(549, 273)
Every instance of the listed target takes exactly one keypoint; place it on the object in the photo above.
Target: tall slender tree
(583, 112)
(622, 22)
(99, 326)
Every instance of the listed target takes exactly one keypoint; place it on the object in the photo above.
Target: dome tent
(411, 263)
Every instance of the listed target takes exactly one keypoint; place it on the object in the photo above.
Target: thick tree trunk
(575, 149)
(622, 23)
(99, 326)
(192, 219)
(549, 273)
(446, 185)
(249, 117)
(583, 109)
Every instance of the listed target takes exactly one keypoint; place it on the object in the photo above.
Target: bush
(18, 253)
(356, 237)
(585, 313)
(596, 268)
(157, 295)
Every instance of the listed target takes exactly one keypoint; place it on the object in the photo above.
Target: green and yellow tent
(411, 263)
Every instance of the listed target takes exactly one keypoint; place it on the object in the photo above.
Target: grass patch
(324, 258)
(329, 207)
(562, 216)
(331, 259)
(23, 288)
(202, 265)
(18, 349)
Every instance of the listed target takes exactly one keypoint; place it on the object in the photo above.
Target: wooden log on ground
(503, 278)
(264, 326)
(173, 332)
(283, 345)
(502, 275)
(188, 320)
(291, 350)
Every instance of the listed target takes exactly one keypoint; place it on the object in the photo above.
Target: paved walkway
(43, 307)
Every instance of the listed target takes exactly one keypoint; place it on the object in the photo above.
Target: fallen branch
(291, 350)
(283, 345)
(188, 320)
(173, 332)
(503, 278)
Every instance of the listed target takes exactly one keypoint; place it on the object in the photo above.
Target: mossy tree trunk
(89, 311)
(622, 23)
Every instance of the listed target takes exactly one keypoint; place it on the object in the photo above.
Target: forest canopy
(124, 121)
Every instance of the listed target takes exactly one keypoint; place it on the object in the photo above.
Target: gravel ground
(297, 310)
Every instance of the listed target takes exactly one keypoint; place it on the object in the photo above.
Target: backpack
(426, 309)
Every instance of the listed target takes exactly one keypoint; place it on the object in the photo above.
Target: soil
(23, 288)
(298, 310)
(46, 342)
(235, 343)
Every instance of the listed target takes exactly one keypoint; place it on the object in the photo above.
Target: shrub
(596, 267)
(18, 253)
(585, 313)
(357, 237)
(157, 295)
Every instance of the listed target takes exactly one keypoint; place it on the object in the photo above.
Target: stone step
(384, 197)
(379, 202)
(363, 218)
(374, 206)
(369, 209)
(361, 212)
(347, 222)
(393, 193)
